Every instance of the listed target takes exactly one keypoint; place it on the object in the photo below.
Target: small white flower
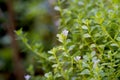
(65, 32)
(77, 58)
(57, 8)
(27, 77)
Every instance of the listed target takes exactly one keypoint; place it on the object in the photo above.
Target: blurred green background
(38, 19)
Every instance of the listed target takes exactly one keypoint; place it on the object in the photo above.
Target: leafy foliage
(89, 39)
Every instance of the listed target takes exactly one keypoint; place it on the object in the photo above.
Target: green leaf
(85, 72)
(86, 36)
(118, 38)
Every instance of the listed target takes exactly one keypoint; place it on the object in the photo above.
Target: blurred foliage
(35, 18)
